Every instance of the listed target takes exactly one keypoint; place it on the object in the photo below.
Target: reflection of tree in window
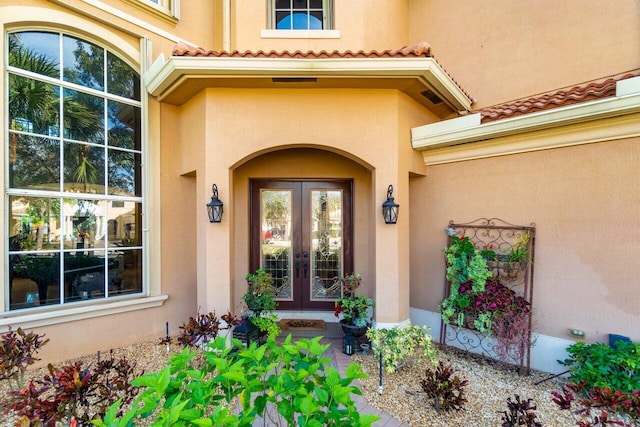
(64, 138)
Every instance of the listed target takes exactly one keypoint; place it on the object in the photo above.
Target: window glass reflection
(34, 280)
(83, 117)
(121, 78)
(34, 223)
(123, 123)
(34, 162)
(125, 272)
(122, 173)
(34, 106)
(83, 63)
(84, 275)
(35, 51)
(83, 168)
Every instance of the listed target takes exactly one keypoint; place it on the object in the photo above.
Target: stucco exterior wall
(512, 49)
(243, 124)
(354, 19)
(584, 201)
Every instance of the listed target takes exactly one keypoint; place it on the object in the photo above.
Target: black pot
(350, 329)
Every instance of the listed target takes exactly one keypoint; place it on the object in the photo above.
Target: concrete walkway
(342, 362)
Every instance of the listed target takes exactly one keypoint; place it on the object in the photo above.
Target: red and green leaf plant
(203, 328)
(445, 388)
(17, 352)
(599, 406)
(520, 412)
(73, 393)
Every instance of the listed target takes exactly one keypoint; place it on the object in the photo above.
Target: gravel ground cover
(489, 386)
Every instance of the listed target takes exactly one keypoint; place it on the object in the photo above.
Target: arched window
(74, 166)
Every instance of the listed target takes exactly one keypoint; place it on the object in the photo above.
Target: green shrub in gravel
(600, 365)
(289, 384)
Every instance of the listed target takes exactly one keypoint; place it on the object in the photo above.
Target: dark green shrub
(600, 365)
(445, 388)
(290, 384)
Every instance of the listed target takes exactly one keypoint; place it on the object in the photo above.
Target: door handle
(297, 269)
(305, 264)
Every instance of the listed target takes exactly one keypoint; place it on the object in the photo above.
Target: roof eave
(469, 129)
(165, 76)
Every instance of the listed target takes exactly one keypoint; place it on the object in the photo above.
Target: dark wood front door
(301, 233)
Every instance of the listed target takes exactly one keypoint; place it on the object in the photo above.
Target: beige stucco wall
(512, 49)
(585, 203)
(354, 19)
(372, 146)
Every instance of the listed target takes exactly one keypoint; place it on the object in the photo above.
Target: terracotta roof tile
(560, 98)
(420, 50)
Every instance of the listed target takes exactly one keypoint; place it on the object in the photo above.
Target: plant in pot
(261, 301)
(352, 308)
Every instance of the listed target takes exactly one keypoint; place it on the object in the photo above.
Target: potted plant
(353, 309)
(261, 301)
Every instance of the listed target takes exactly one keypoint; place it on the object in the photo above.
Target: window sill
(300, 34)
(168, 15)
(83, 312)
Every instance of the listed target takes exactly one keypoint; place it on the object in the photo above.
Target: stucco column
(392, 256)
(214, 254)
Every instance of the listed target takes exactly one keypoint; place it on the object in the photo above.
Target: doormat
(302, 325)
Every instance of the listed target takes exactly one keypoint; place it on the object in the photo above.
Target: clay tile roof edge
(597, 89)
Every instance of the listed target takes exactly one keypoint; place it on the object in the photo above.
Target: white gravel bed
(489, 386)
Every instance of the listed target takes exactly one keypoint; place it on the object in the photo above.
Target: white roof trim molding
(165, 76)
(448, 140)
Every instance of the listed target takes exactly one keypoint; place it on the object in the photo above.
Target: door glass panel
(275, 232)
(326, 244)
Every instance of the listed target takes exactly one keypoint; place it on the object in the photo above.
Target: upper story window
(74, 181)
(301, 14)
(168, 10)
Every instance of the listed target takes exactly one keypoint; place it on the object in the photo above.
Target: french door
(301, 233)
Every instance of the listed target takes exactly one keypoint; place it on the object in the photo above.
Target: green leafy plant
(445, 388)
(73, 394)
(520, 249)
(260, 295)
(520, 412)
(353, 308)
(17, 352)
(287, 384)
(465, 265)
(600, 365)
(261, 301)
(400, 343)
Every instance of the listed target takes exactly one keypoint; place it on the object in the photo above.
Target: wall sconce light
(214, 207)
(390, 208)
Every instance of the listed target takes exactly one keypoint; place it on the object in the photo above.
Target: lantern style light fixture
(390, 208)
(214, 207)
(348, 344)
